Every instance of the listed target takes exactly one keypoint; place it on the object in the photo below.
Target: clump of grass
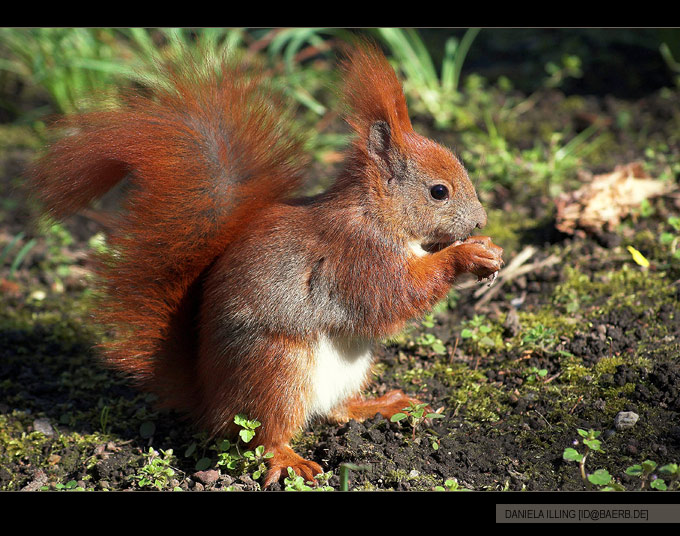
(70, 63)
(436, 92)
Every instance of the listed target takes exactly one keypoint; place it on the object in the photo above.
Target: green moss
(607, 365)
(573, 370)
(60, 456)
(630, 286)
(16, 442)
(471, 394)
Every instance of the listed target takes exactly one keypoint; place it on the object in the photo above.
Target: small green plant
(671, 239)
(570, 67)
(539, 338)
(104, 419)
(601, 477)
(646, 209)
(646, 472)
(248, 427)
(428, 321)
(535, 374)
(294, 482)
(71, 485)
(257, 458)
(232, 456)
(427, 340)
(477, 333)
(157, 471)
(450, 484)
(671, 62)
(415, 414)
(228, 456)
(672, 472)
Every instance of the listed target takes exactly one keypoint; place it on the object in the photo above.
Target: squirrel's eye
(439, 192)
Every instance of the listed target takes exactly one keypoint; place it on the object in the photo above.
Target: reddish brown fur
(373, 92)
(220, 284)
(181, 215)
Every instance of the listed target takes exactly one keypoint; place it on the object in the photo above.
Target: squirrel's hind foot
(283, 458)
(389, 404)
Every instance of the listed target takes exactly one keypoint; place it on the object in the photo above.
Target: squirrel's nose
(479, 216)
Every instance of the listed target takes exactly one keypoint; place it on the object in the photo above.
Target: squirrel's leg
(284, 399)
(359, 408)
(265, 382)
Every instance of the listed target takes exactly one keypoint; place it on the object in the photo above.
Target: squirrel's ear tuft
(372, 93)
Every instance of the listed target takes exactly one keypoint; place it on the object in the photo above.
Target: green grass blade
(449, 65)
(9, 247)
(20, 256)
(462, 52)
(573, 144)
(142, 38)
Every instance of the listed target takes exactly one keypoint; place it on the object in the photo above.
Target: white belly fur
(341, 367)
(416, 249)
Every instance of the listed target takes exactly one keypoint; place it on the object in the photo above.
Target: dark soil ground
(565, 346)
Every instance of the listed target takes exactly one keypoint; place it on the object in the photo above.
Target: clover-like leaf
(592, 444)
(648, 466)
(670, 469)
(246, 435)
(634, 470)
(658, 484)
(466, 333)
(601, 477)
(572, 455)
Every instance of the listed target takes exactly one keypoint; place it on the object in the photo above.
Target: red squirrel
(228, 293)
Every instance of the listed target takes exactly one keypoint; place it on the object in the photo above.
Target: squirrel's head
(422, 190)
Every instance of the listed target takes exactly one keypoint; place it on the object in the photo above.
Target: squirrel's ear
(379, 141)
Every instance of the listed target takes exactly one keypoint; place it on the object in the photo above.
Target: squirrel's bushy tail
(203, 151)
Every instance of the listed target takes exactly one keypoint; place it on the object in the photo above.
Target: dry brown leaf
(607, 199)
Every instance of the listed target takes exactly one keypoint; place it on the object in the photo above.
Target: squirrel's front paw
(478, 255)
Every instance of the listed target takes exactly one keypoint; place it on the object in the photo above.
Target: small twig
(513, 270)
(542, 417)
(453, 352)
(582, 465)
(578, 401)
(553, 377)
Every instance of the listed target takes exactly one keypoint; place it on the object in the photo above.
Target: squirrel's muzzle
(478, 216)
